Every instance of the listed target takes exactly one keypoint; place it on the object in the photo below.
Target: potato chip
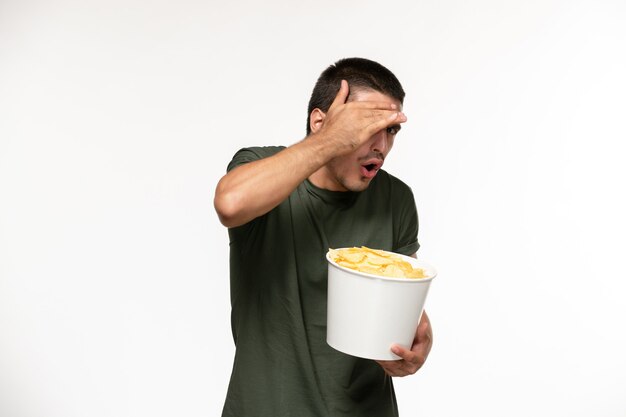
(376, 262)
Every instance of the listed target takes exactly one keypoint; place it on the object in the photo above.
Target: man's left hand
(412, 360)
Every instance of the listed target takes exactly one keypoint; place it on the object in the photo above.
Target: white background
(117, 119)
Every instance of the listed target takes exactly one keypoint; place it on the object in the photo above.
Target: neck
(322, 178)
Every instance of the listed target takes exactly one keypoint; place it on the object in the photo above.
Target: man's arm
(253, 189)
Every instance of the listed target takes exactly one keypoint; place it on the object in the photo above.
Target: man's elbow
(227, 208)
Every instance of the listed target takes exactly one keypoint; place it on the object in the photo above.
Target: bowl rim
(424, 265)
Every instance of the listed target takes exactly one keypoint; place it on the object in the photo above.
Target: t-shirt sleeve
(243, 156)
(406, 223)
(241, 234)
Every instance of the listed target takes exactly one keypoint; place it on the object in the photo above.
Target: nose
(381, 142)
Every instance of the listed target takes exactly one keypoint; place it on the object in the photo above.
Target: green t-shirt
(283, 366)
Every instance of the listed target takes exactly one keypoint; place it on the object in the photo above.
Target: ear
(316, 120)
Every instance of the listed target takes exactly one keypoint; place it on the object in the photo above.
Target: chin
(357, 186)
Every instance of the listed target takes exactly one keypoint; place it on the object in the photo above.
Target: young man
(285, 207)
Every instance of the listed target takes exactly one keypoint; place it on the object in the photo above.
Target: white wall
(118, 117)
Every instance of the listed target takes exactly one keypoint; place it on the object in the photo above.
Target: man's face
(355, 171)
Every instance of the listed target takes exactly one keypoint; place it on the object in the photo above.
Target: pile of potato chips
(376, 262)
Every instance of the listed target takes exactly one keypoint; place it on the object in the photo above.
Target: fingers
(348, 124)
(373, 105)
(383, 119)
(342, 94)
(408, 365)
(411, 360)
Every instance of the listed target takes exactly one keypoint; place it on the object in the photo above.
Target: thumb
(342, 94)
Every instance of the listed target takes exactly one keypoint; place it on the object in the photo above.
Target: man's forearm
(253, 189)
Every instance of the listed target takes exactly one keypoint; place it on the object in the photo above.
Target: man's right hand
(347, 125)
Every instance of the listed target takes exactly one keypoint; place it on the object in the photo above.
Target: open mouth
(371, 169)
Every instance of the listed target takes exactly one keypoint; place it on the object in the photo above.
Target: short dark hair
(360, 73)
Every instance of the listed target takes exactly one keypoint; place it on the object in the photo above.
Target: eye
(393, 130)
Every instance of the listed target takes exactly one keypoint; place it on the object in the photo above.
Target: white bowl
(368, 313)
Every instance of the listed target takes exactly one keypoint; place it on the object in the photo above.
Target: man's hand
(412, 360)
(347, 125)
